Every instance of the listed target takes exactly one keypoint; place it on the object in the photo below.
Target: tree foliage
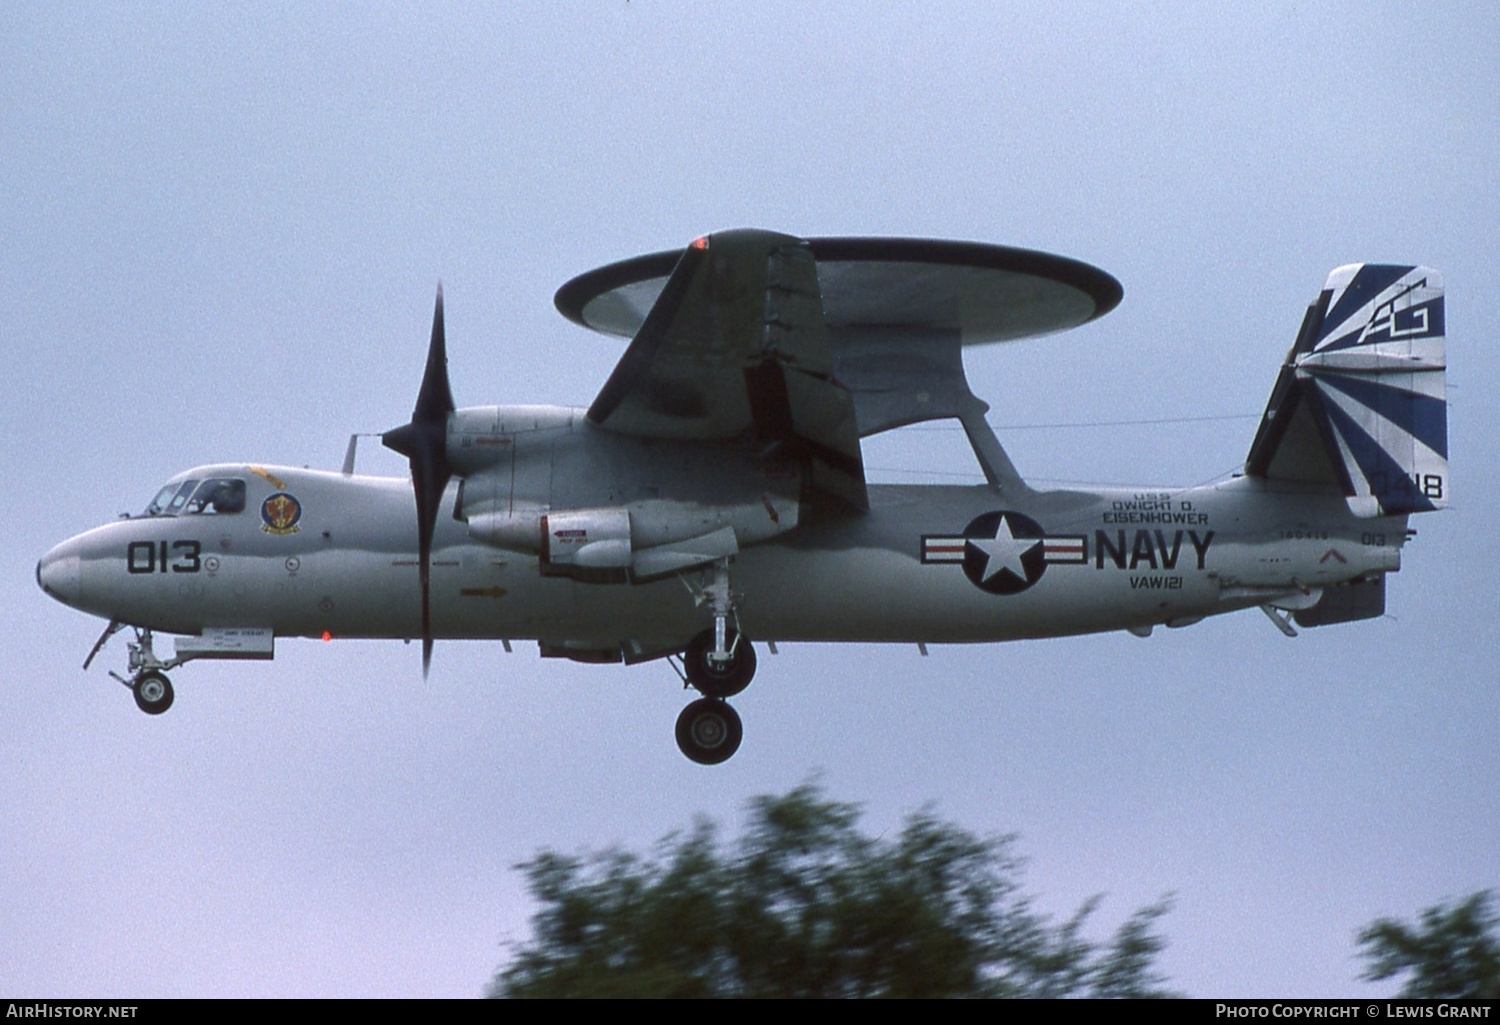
(1452, 953)
(805, 905)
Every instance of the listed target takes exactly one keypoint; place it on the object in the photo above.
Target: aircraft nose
(57, 574)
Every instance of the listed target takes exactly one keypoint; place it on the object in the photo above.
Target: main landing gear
(719, 674)
(718, 663)
(709, 731)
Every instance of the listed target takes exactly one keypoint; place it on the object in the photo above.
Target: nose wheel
(147, 682)
(153, 692)
(709, 731)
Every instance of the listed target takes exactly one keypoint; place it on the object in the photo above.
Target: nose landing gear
(153, 692)
(148, 672)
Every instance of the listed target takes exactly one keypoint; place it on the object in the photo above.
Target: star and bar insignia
(1004, 552)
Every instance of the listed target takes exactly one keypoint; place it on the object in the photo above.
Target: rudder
(1360, 402)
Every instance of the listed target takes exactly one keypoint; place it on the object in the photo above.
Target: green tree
(805, 905)
(1452, 953)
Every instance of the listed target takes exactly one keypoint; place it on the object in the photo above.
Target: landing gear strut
(718, 663)
(148, 671)
(152, 690)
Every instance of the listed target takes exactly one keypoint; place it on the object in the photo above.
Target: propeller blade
(435, 400)
(424, 442)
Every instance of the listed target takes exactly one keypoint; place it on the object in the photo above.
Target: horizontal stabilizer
(1360, 403)
(1361, 599)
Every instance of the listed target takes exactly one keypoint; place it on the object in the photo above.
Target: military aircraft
(715, 493)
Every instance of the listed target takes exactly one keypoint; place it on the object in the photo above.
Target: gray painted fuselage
(1115, 559)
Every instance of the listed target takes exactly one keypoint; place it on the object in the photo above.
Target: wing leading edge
(736, 346)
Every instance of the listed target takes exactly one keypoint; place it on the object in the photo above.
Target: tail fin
(1360, 402)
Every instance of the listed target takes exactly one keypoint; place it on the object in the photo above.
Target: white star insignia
(1004, 551)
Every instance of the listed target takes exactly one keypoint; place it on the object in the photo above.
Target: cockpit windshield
(215, 496)
(170, 499)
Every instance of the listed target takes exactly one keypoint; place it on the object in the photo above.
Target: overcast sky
(220, 232)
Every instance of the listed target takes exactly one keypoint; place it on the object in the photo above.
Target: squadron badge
(279, 514)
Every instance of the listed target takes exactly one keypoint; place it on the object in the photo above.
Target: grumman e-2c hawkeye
(715, 491)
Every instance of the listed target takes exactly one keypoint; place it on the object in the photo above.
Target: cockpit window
(217, 495)
(159, 503)
(170, 499)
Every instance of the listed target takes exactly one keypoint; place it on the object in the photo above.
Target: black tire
(719, 679)
(709, 731)
(153, 692)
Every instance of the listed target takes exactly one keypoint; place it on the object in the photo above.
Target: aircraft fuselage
(932, 564)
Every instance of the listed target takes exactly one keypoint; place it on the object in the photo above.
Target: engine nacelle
(647, 538)
(586, 538)
(485, 436)
(602, 506)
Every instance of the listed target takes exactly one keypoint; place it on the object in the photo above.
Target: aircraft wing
(897, 313)
(735, 345)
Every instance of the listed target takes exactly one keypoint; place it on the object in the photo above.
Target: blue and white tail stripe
(1376, 372)
(1361, 403)
(1382, 308)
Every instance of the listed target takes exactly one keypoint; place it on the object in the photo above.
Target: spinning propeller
(424, 442)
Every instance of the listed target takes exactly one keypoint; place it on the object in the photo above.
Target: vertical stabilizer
(1360, 402)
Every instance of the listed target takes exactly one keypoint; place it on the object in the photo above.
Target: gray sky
(219, 237)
